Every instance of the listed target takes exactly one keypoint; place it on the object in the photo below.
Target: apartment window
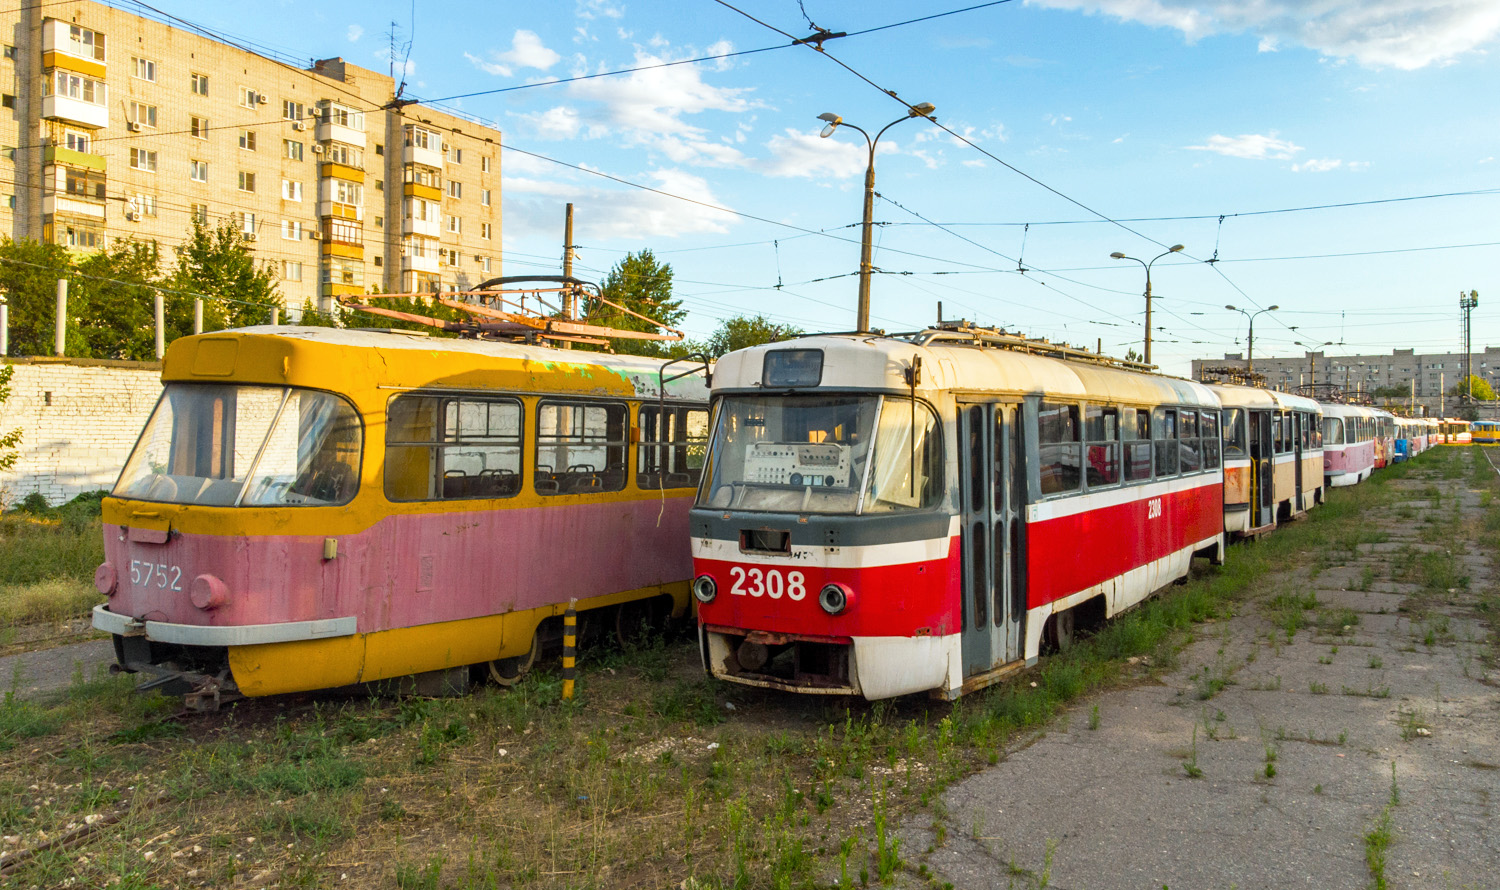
(484, 197)
(246, 221)
(454, 155)
(290, 110)
(341, 153)
(379, 224)
(342, 231)
(484, 232)
(484, 263)
(144, 115)
(291, 229)
(484, 165)
(419, 175)
(85, 182)
(379, 149)
(199, 171)
(346, 192)
(247, 181)
(76, 141)
(292, 149)
(81, 42)
(7, 100)
(344, 271)
(455, 224)
(76, 86)
(379, 262)
(343, 116)
(142, 204)
(379, 185)
(199, 213)
(247, 140)
(86, 239)
(455, 189)
(141, 159)
(291, 270)
(144, 69)
(198, 126)
(291, 191)
(10, 53)
(250, 98)
(200, 84)
(417, 137)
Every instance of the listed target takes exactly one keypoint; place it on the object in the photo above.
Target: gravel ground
(1395, 703)
(44, 671)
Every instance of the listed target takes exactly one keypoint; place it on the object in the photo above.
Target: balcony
(340, 211)
(72, 205)
(75, 111)
(327, 130)
(335, 170)
(419, 264)
(427, 157)
(68, 157)
(418, 190)
(430, 227)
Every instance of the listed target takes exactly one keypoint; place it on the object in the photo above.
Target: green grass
(47, 563)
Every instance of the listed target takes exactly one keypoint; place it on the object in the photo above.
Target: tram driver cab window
(1234, 434)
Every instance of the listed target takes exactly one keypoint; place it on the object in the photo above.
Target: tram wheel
(1057, 634)
(509, 671)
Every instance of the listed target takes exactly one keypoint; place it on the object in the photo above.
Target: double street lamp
(1117, 255)
(1250, 338)
(923, 109)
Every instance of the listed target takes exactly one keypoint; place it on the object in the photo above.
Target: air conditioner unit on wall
(133, 126)
(315, 235)
(299, 126)
(260, 98)
(249, 236)
(131, 217)
(317, 149)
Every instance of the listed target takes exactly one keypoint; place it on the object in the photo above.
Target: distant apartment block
(1425, 376)
(123, 127)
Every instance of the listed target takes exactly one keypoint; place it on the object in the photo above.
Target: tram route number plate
(161, 575)
(768, 582)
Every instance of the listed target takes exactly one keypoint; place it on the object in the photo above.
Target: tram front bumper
(872, 667)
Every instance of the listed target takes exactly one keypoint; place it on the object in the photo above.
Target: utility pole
(1467, 302)
(568, 295)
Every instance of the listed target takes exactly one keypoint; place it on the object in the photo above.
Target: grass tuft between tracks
(653, 776)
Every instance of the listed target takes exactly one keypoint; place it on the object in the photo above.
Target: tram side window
(580, 447)
(1136, 431)
(1101, 432)
(671, 452)
(1333, 430)
(1277, 445)
(1164, 440)
(1191, 449)
(1316, 422)
(1058, 457)
(1211, 442)
(451, 448)
(1234, 433)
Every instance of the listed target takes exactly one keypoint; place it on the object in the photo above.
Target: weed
(1413, 723)
(1094, 717)
(1376, 663)
(1190, 766)
(1318, 688)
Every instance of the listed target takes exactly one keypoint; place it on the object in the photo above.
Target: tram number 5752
(1153, 508)
(768, 582)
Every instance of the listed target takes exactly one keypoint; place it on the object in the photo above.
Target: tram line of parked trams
(874, 515)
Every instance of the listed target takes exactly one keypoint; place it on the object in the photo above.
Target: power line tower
(1467, 302)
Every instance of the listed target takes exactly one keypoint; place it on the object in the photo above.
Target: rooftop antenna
(405, 54)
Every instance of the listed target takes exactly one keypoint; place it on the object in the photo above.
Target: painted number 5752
(768, 582)
(160, 575)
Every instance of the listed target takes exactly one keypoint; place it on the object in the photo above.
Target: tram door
(994, 485)
(1299, 435)
(1262, 464)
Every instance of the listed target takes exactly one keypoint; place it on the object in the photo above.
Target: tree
(8, 441)
(641, 284)
(113, 301)
(28, 276)
(1481, 391)
(744, 331)
(216, 263)
(1395, 391)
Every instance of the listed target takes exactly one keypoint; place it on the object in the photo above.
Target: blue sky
(1168, 113)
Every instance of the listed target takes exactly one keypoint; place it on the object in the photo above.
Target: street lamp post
(923, 109)
(1117, 255)
(1250, 338)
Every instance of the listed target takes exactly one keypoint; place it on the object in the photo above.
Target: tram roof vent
(966, 334)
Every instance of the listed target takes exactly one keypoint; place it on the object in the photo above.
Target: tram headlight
(705, 589)
(835, 598)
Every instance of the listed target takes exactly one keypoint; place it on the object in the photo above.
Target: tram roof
(879, 363)
(186, 356)
(1232, 396)
(1338, 409)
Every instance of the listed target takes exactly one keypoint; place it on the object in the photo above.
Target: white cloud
(1267, 45)
(1317, 165)
(1252, 146)
(559, 122)
(1404, 34)
(974, 162)
(526, 51)
(1055, 119)
(802, 154)
(355, 32)
(630, 215)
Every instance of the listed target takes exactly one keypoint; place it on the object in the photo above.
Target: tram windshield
(823, 454)
(226, 445)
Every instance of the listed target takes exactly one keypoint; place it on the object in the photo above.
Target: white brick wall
(80, 441)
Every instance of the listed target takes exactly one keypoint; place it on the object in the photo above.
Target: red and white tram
(1273, 457)
(890, 515)
(1349, 433)
(1385, 438)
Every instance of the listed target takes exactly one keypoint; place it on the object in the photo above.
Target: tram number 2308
(1153, 508)
(768, 582)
